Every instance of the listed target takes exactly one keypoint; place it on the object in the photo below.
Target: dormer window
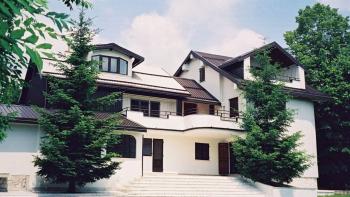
(112, 64)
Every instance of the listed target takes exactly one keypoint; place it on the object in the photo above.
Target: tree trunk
(71, 187)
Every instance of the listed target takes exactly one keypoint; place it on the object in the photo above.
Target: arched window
(126, 147)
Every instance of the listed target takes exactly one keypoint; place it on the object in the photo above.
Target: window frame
(236, 112)
(109, 64)
(149, 112)
(202, 151)
(125, 152)
(202, 74)
(147, 147)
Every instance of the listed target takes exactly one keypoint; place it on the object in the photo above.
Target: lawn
(338, 195)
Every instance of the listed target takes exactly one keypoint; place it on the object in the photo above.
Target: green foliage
(321, 42)
(20, 32)
(72, 149)
(269, 153)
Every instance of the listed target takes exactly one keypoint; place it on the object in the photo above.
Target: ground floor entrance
(181, 154)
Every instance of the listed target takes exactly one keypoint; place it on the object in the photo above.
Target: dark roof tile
(216, 60)
(28, 114)
(196, 90)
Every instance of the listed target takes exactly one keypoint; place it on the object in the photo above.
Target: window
(201, 74)
(147, 147)
(112, 64)
(211, 109)
(123, 67)
(149, 108)
(234, 107)
(155, 107)
(126, 147)
(104, 64)
(190, 108)
(202, 151)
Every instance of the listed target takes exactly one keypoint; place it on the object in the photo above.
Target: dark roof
(27, 114)
(218, 62)
(272, 45)
(115, 47)
(196, 90)
(210, 60)
(308, 93)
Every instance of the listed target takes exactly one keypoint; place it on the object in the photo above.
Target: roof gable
(276, 50)
(218, 62)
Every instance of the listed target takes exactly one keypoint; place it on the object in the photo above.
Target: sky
(164, 31)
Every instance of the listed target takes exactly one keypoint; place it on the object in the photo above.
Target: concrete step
(194, 194)
(184, 186)
(191, 186)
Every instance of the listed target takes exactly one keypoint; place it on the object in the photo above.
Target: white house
(180, 124)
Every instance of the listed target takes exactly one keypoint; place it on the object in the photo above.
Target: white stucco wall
(18, 150)
(304, 118)
(219, 86)
(179, 151)
(212, 78)
(304, 121)
(22, 143)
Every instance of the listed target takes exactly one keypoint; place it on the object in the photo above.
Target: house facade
(181, 124)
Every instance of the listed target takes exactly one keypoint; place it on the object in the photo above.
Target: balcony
(172, 121)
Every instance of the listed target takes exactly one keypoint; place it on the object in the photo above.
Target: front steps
(172, 185)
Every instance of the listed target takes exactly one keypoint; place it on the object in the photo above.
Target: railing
(287, 78)
(223, 114)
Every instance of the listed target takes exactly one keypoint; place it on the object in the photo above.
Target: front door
(157, 155)
(224, 159)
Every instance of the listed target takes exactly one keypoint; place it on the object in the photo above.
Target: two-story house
(181, 124)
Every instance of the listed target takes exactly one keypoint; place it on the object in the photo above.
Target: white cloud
(165, 39)
(159, 39)
(340, 4)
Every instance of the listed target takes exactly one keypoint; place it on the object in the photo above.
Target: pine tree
(321, 42)
(268, 153)
(72, 150)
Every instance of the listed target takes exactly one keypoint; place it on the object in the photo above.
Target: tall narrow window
(201, 74)
(155, 107)
(114, 64)
(105, 63)
(123, 67)
(234, 111)
(147, 147)
(211, 109)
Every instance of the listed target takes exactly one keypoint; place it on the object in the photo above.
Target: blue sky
(164, 31)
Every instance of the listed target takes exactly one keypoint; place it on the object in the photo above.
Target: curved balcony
(171, 121)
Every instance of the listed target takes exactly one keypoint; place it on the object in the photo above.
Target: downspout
(142, 156)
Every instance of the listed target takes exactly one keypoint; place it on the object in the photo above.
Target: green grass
(338, 195)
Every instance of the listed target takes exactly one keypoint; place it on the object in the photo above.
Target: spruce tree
(268, 153)
(72, 150)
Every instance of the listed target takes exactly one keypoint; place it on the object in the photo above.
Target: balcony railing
(223, 114)
(287, 78)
